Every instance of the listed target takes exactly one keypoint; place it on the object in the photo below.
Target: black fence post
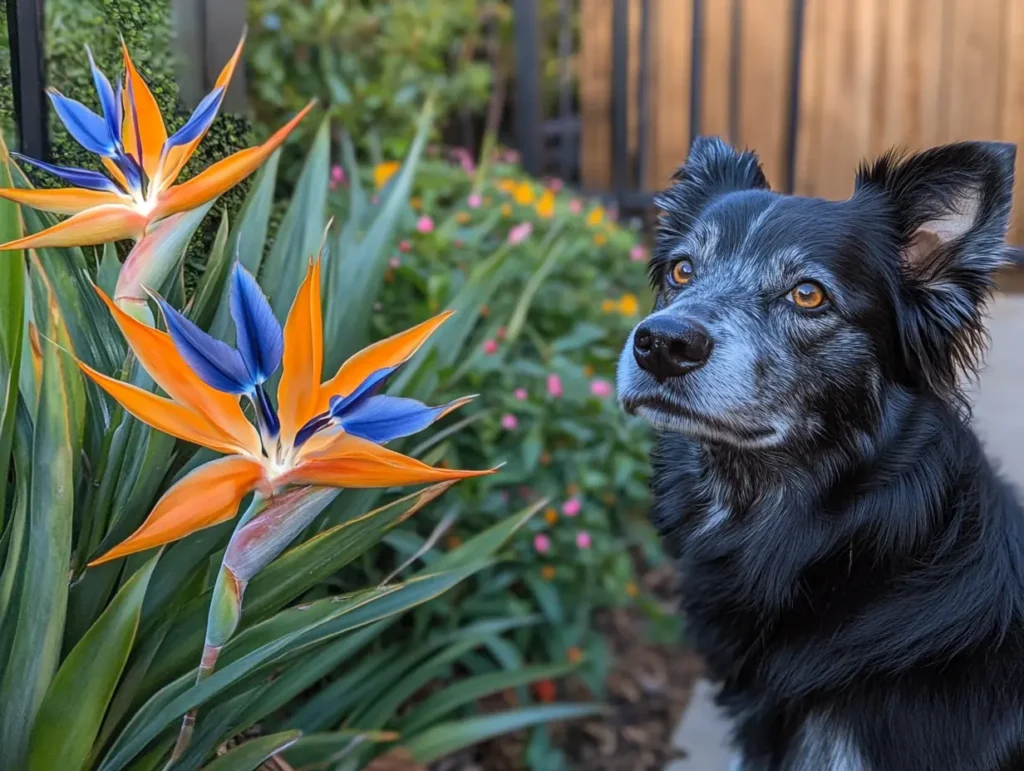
(528, 86)
(25, 32)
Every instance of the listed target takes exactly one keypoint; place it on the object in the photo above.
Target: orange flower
(575, 655)
(546, 205)
(632, 590)
(320, 434)
(382, 172)
(550, 515)
(546, 691)
(547, 572)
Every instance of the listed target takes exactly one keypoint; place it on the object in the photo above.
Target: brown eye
(682, 272)
(807, 295)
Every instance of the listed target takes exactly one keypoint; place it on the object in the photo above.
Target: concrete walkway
(998, 400)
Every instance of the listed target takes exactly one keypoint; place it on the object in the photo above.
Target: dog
(851, 563)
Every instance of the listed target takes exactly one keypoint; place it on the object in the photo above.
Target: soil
(648, 688)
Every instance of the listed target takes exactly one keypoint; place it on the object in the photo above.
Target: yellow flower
(596, 216)
(506, 210)
(415, 203)
(588, 371)
(609, 306)
(462, 217)
(600, 239)
(546, 205)
(632, 590)
(382, 172)
(523, 194)
(507, 185)
(628, 304)
(547, 572)
(550, 515)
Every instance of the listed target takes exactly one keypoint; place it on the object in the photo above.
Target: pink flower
(501, 333)
(337, 176)
(490, 347)
(509, 422)
(520, 394)
(554, 385)
(520, 233)
(572, 507)
(510, 156)
(575, 205)
(541, 543)
(583, 539)
(601, 388)
(555, 184)
(394, 262)
(463, 157)
(474, 201)
(638, 253)
(404, 246)
(425, 224)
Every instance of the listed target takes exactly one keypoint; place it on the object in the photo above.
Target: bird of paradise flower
(320, 433)
(142, 160)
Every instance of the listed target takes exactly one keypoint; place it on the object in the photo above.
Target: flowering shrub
(543, 361)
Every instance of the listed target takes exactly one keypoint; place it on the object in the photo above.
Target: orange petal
(385, 353)
(158, 356)
(353, 462)
(222, 175)
(98, 225)
(177, 157)
(299, 390)
(65, 200)
(205, 497)
(165, 415)
(115, 172)
(151, 122)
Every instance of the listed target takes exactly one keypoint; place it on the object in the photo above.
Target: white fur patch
(824, 746)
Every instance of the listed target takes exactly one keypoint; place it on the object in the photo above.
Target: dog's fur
(852, 565)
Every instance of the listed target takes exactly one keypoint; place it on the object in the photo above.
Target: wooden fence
(872, 74)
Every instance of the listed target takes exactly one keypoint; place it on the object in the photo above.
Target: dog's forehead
(765, 227)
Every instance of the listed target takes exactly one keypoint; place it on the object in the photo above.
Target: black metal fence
(25, 32)
(551, 145)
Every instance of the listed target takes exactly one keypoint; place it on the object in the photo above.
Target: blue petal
(199, 121)
(383, 418)
(131, 170)
(90, 180)
(106, 94)
(257, 331)
(215, 362)
(340, 405)
(87, 128)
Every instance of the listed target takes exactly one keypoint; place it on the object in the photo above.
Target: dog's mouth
(670, 415)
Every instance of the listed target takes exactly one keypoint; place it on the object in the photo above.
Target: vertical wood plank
(924, 94)
(670, 87)
(764, 81)
(975, 71)
(595, 73)
(1013, 108)
(716, 42)
(811, 118)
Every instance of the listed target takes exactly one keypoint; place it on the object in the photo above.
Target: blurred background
(554, 123)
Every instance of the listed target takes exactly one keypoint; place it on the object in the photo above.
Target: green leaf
(249, 756)
(211, 285)
(109, 270)
(325, 749)
(287, 635)
(249, 237)
(468, 691)
(12, 309)
(444, 739)
(70, 715)
(354, 278)
(486, 543)
(302, 228)
(518, 318)
(37, 612)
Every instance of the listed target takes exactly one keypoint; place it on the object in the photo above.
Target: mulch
(648, 688)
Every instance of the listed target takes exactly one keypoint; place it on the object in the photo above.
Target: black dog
(852, 565)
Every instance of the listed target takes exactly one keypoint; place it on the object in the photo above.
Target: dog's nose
(668, 347)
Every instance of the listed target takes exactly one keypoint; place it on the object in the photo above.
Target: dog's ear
(712, 168)
(951, 207)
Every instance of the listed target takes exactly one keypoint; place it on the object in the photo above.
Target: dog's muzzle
(667, 347)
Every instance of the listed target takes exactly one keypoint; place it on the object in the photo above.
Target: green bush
(371, 63)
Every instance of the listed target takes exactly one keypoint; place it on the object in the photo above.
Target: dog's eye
(681, 273)
(807, 295)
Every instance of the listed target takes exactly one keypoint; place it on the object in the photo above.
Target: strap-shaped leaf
(70, 715)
